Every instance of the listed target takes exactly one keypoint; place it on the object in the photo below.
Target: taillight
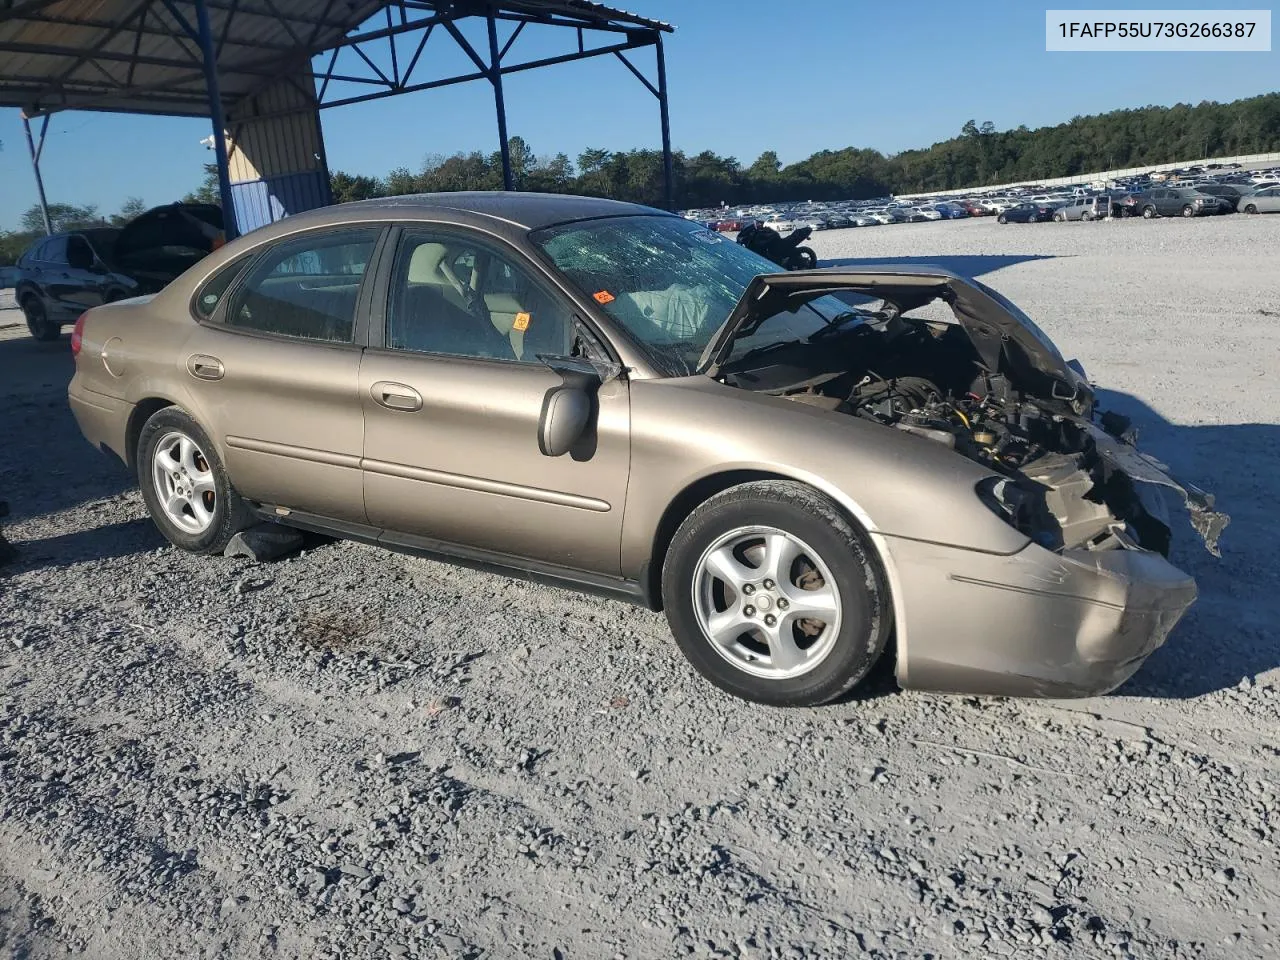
(77, 335)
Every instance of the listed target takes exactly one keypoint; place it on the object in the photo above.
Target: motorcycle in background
(786, 251)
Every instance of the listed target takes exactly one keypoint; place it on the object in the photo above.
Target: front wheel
(1188, 211)
(185, 486)
(774, 596)
(1148, 213)
(1086, 216)
(1251, 208)
(38, 322)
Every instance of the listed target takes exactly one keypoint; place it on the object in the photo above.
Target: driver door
(453, 390)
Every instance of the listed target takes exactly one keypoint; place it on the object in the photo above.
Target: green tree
(346, 187)
(208, 191)
(62, 216)
(401, 182)
(131, 208)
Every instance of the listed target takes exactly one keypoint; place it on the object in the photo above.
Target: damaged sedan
(806, 471)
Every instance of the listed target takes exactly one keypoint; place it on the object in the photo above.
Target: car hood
(1005, 338)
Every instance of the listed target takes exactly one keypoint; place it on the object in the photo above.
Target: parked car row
(1201, 190)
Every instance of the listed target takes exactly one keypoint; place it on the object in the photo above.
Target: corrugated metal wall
(277, 162)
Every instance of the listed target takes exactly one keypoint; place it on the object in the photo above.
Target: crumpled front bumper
(1034, 623)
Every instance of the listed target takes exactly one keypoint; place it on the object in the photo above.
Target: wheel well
(142, 412)
(688, 500)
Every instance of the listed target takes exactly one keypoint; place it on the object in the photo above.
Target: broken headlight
(1022, 506)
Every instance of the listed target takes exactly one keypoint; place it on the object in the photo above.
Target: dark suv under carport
(64, 275)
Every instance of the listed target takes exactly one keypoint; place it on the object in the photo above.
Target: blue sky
(745, 76)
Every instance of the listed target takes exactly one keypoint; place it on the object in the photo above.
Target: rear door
(275, 370)
(55, 277)
(452, 390)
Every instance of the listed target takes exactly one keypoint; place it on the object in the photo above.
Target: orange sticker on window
(603, 296)
(521, 322)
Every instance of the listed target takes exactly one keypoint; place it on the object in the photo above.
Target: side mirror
(566, 411)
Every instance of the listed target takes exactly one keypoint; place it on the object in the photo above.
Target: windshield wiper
(834, 324)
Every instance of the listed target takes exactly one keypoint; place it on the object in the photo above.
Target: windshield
(671, 283)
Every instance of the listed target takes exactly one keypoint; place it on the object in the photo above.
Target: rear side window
(306, 288)
(215, 288)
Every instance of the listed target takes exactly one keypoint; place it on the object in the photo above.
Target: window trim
(380, 309)
(255, 257)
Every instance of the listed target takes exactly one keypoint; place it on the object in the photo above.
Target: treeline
(979, 156)
(62, 216)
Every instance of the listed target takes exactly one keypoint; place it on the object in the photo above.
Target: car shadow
(965, 265)
(45, 464)
(122, 539)
(1230, 634)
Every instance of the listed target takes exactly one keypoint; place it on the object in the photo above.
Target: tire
(1059, 218)
(38, 322)
(803, 259)
(213, 512)
(1148, 212)
(1086, 216)
(729, 533)
(1002, 219)
(1251, 208)
(1188, 211)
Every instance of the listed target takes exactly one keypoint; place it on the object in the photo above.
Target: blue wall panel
(259, 202)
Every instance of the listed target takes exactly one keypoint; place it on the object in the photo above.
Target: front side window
(451, 294)
(306, 287)
(54, 250)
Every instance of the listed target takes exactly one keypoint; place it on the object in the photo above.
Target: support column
(668, 171)
(35, 166)
(495, 77)
(204, 36)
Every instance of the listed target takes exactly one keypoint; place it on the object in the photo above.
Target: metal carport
(249, 66)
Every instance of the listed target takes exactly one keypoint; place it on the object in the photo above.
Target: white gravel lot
(353, 753)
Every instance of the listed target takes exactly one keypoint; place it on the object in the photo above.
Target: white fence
(1253, 160)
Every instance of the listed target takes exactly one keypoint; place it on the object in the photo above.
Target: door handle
(396, 396)
(204, 367)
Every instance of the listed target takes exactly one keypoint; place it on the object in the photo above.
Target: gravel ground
(352, 753)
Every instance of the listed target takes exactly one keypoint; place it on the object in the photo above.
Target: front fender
(894, 484)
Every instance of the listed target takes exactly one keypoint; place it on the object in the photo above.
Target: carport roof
(137, 56)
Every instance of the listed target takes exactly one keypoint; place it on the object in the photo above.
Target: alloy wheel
(766, 602)
(184, 482)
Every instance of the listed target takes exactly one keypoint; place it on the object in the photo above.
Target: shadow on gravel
(1230, 633)
(45, 464)
(122, 539)
(966, 265)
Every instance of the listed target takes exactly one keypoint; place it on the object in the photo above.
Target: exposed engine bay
(1066, 475)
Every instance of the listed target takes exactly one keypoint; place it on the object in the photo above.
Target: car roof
(529, 210)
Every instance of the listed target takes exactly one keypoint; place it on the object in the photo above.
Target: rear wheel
(1059, 217)
(1002, 219)
(38, 322)
(185, 486)
(1148, 212)
(804, 259)
(774, 596)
